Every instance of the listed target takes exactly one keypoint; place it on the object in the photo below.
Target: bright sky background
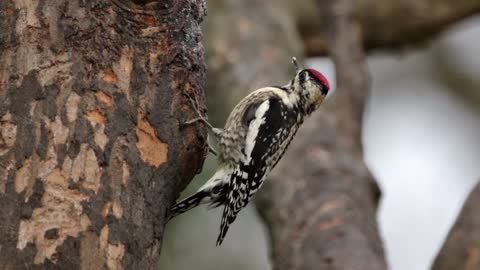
(422, 144)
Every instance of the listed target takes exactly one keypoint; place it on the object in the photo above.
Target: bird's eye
(324, 90)
(302, 76)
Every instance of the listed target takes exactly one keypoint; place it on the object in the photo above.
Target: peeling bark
(461, 250)
(92, 154)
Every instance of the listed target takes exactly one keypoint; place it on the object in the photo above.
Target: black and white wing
(271, 126)
(237, 198)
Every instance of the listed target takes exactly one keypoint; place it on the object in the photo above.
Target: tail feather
(227, 219)
(188, 203)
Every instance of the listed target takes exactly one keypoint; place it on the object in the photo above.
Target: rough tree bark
(91, 151)
(461, 250)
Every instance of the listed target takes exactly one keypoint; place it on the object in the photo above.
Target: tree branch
(387, 24)
(461, 250)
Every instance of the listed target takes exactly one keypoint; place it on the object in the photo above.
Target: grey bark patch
(63, 115)
(34, 201)
(93, 209)
(42, 147)
(157, 117)
(51, 234)
(26, 211)
(70, 31)
(123, 121)
(38, 11)
(116, 231)
(11, 215)
(67, 256)
(73, 148)
(83, 131)
(61, 150)
(25, 141)
(138, 82)
(79, 85)
(7, 21)
(20, 102)
(49, 106)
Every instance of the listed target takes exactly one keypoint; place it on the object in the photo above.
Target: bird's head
(311, 86)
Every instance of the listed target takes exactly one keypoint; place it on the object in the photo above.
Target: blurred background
(421, 139)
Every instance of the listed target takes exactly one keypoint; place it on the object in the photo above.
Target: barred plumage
(255, 136)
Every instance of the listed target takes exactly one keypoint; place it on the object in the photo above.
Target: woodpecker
(255, 137)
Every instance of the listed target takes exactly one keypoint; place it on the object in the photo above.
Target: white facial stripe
(254, 128)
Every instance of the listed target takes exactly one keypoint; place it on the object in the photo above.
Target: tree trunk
(92, 154)
(461, 250)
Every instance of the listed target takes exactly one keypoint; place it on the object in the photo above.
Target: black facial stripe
(302, 78)
(324, 89)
